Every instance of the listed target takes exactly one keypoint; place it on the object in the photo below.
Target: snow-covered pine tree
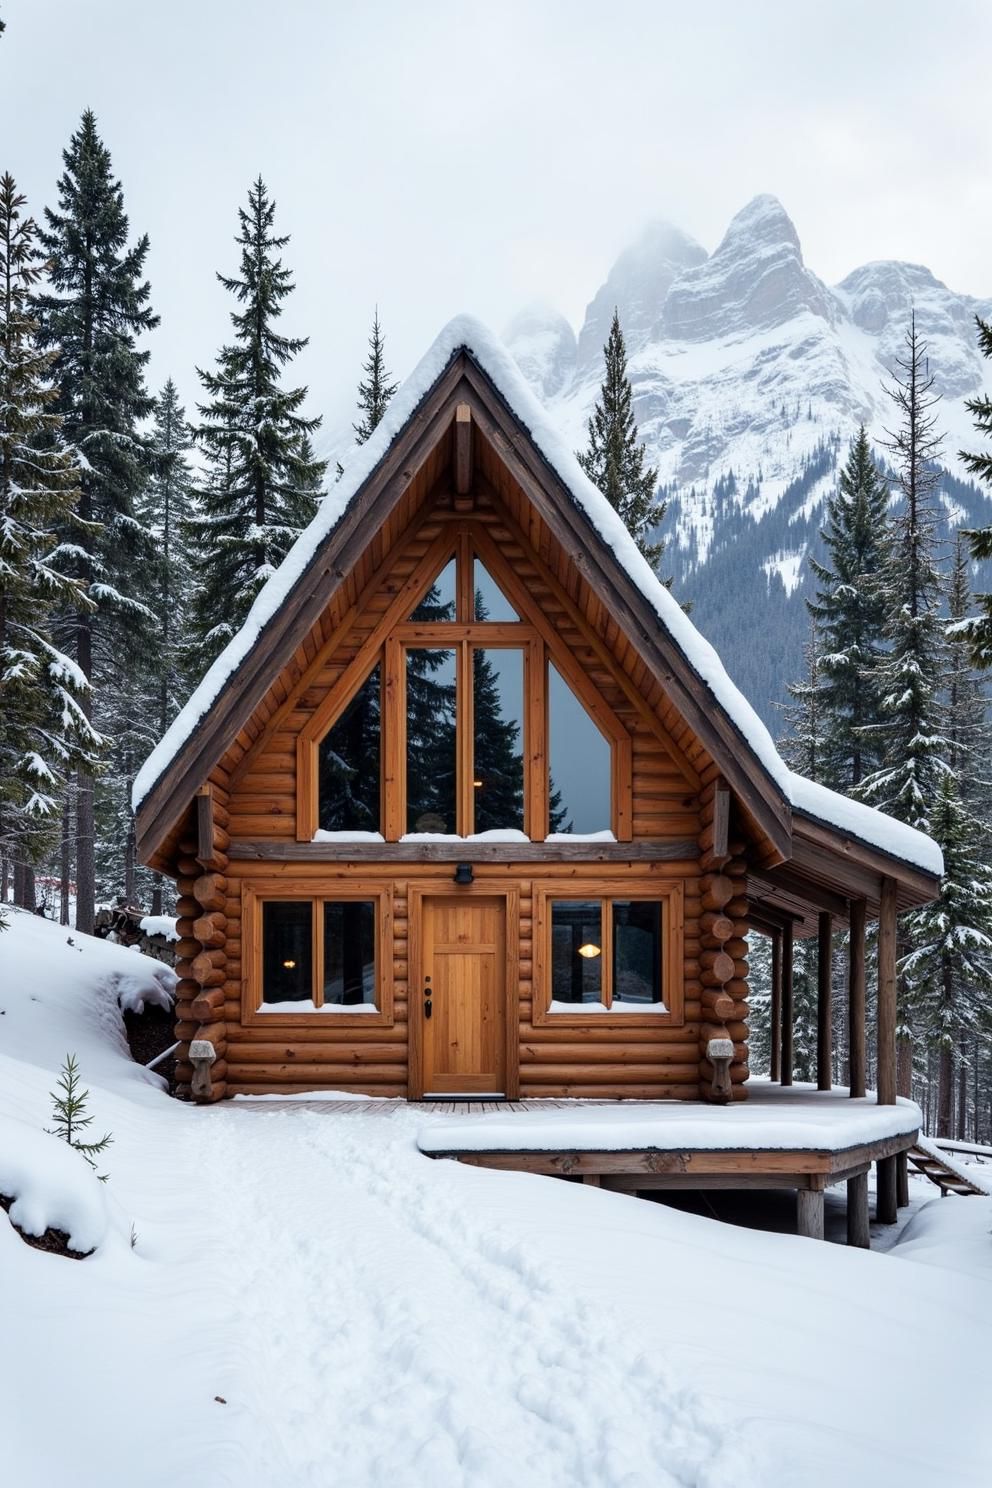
(803, 745)
(93, 310)
(262, 477)
(849, 609)
(167, 510)
(947, 975)
(979, 628)
(375, 389)
(44, 730)
(614, 457)
(910, 735)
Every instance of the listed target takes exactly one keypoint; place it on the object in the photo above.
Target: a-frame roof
(467, 363)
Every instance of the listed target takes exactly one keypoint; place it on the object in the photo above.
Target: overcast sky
(441, 156)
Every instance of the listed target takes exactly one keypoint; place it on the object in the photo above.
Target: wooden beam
(776, 1007)
(886, 1032)
(280, 850)
(856, 1000)
(204, 826)
(787, 1007)
(795, 885)
(858, 1231)
(721, 823)
(824, 1003)
(463, 457)
(902, 1180)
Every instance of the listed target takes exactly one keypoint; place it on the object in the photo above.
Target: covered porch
(834, 884)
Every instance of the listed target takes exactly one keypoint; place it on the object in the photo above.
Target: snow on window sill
(604, 836)
(495, 834)
(321, 836)
(624, 1008)
(305, 1005)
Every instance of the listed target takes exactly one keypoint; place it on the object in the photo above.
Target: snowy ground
(368, 1316)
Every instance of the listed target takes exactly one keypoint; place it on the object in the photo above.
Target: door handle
(427, 1008)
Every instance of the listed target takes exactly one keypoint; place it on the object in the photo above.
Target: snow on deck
(772, 1119)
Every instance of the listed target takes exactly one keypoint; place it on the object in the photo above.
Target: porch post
(809, 1213)
(885, 1168)
(856, 999)
(787, 1014)
(886, 1058)
(824, 1003)
(858, 1232)
(776, 1008)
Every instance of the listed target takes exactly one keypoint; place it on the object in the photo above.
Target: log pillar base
(809, 1213)
(858, 1231)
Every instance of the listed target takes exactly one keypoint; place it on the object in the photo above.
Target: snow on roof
(465, 333)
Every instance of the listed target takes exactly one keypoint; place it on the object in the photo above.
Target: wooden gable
(463, 465)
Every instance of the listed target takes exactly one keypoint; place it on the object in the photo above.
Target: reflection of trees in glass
(430, 726)
(498, 757)
(348, 764)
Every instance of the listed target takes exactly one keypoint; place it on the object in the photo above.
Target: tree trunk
(962, 1132)
(65, 860)
(904, 1064)
(85, 825)
(945, 1090)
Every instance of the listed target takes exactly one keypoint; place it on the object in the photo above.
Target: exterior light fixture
(463, 873)
(589, 950)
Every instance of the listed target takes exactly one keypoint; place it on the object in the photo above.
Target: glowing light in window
(289, 965)
(589, 950)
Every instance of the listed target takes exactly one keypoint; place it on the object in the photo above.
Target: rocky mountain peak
(755, 280)
(637, 285)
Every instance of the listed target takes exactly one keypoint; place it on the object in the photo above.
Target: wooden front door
(462, 995)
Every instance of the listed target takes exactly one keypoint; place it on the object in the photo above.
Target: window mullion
(465, 740)
(317, 991)
(393, 722)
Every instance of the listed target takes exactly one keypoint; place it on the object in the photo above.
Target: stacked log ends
(202, 962)
(723, 967)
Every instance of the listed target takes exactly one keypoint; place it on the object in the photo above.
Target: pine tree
(614, 458)
(167, 512)
(44, 731)
(70, 1115)
(909, 735)
(947, 975)
(262, 480)
(95, 307)
(803, 747)
(376, 390)
(979, 629)
(849, 610)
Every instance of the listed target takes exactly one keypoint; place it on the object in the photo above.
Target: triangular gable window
(490, 601)
(438, 603)
(348, 759)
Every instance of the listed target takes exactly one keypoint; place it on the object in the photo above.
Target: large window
(317, 954)
(463, 724)
(616, 954)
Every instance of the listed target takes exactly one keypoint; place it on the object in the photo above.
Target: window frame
(265, 891)
(386, 648)
(671, 897)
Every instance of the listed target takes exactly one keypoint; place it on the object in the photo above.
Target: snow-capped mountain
(750, 376)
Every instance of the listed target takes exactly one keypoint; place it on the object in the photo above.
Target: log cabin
(468, 808)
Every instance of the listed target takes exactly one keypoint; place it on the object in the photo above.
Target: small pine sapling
(70, 1116)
